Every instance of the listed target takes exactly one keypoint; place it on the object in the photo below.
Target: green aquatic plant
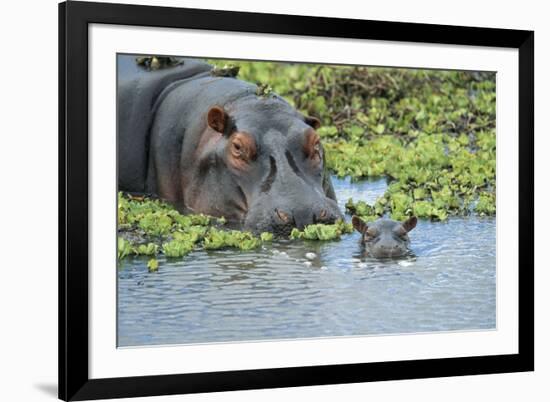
(150, 227)
(146, 249)
(217, 239)
(152, 63)
(266, 237)
(228, 70)
(321, 231)
(153, 265)
(191, 234)
(177, 248)
(486, 204)
(362, 209)
(124, 248)
(264, 90)
(156, 224)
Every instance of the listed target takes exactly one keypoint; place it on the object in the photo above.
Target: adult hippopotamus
(384, 237)
(219, 146)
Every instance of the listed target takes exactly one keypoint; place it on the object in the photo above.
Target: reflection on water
(277, 293)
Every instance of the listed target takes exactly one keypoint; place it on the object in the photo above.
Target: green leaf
(486, 204)
(124, 248)
(379, 129)
(146, 249)
(266, 237)
(296, 234)
(329, 131)
(177, 248)
(322, 232)
(153, 265)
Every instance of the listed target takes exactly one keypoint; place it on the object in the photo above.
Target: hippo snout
(304, 218)
(387, 250)
(281, 220)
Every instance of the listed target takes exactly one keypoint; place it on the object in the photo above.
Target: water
(277, 293)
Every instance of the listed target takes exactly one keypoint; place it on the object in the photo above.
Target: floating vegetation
(322, 232)
(124, 248)
(263, 90)
(217, 239)
(152, 63)
(149, 227)
(228, 70)
(153, 265)
(369, 213)
(266, 237)
(432, 133)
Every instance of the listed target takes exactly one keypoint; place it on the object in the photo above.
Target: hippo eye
(242, 150)
(237, 150)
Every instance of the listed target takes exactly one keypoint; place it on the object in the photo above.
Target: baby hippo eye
(370, 233)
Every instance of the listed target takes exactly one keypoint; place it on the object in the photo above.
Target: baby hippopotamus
(384, 237)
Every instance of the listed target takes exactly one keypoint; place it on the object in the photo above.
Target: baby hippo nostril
(283, 216)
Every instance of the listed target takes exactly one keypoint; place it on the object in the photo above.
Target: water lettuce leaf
(153, 265)
(322, 231)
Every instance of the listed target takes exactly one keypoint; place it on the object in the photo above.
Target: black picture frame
(74, 381)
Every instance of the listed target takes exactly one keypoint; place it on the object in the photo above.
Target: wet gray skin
(212, 145)
(385, 238)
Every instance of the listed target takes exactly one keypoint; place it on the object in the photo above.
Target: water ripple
(448, 284)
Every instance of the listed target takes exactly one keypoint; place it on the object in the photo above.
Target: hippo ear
(313, 122)
(410, 223)
(217, 119)
(359, 224)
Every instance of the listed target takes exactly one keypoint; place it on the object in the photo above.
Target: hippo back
(138, 93)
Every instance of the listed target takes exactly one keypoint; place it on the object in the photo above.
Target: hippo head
(261, 164)
(384, 237)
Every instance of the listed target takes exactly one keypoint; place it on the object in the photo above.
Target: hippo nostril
(283, 216)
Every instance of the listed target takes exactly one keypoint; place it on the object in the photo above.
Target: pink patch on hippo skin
(208, 139)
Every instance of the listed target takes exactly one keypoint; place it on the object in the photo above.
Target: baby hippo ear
(217, 119)
(410, 223)
(359, 224)
(313, 122)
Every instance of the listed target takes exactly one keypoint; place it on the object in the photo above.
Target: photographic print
(262, 200)
(252, 201)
